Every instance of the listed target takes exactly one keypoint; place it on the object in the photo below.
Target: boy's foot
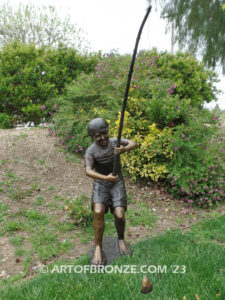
(98, 258)
(124, 249)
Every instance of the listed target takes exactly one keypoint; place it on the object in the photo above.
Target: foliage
(197, 170)
(23, 78)
(150, 159)
(179, 74)
(6, 121)
(165, 86)
(163, 116)
(80, 211)
(66, 64)
(155, 75)
(69, 125)
(41, 26)
(200, 25)
(32, 112)
(29, 76)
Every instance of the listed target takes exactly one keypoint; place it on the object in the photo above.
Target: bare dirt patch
(36, 180)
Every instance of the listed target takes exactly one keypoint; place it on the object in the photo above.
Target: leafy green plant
(6, 121)
(30, 75)
(150, 159)
(165, 116)
(164, 85)
(32, 112)
(80, 211)
(197, 170)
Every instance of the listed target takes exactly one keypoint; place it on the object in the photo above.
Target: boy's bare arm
(130, 145)
(95, 175)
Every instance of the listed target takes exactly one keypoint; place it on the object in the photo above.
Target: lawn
(180, 265)
(40, 187)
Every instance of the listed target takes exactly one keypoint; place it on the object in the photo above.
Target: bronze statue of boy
(108, 190)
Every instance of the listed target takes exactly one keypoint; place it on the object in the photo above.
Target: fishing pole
(116, 159)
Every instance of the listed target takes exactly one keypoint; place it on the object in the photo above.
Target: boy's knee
(99, 209)
(119, 212)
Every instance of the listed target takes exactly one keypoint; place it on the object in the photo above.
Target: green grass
(141, 216)
(19, 252)
(72, 158)
(47, 245)
(12, 176)
(39, 200)
(33, 217)
(64, 226)
(42, 160)
(34, 187)
(213, 229)
(22, 135)
(17, 241)
(16, 194)
(181, 263)
(3, 211)
(3, 207)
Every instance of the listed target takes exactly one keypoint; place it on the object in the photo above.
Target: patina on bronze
(108, 190)
(102, 160)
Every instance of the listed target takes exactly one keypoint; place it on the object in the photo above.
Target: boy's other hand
(119, 150)
(111, 178)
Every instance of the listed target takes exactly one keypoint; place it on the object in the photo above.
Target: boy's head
(98, 129)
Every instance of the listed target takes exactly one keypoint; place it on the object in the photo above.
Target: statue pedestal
(110, 249)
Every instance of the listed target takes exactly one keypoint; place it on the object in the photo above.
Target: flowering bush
(197, 170)
(164, 116)
(187, 77)
(163, 109)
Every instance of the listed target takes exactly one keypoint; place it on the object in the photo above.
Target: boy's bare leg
(99, 225)
(119, 215)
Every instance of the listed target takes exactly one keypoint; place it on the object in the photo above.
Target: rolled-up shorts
(109, 194)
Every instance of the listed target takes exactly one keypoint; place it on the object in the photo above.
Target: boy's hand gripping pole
(117, 157)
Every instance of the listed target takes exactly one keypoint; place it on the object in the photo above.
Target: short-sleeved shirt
(111, 194)
(102, 159)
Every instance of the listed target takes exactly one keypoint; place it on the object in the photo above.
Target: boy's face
(101, 138)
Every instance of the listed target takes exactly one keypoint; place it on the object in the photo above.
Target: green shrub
(164, 115)
(187, 77)
(32, 112)
(23, 78)
(164, 108)
(6, 121)
(69, 125)
(151, 157)
(197, 170)
(29, 76)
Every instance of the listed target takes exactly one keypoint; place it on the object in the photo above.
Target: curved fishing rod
(116, 159)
